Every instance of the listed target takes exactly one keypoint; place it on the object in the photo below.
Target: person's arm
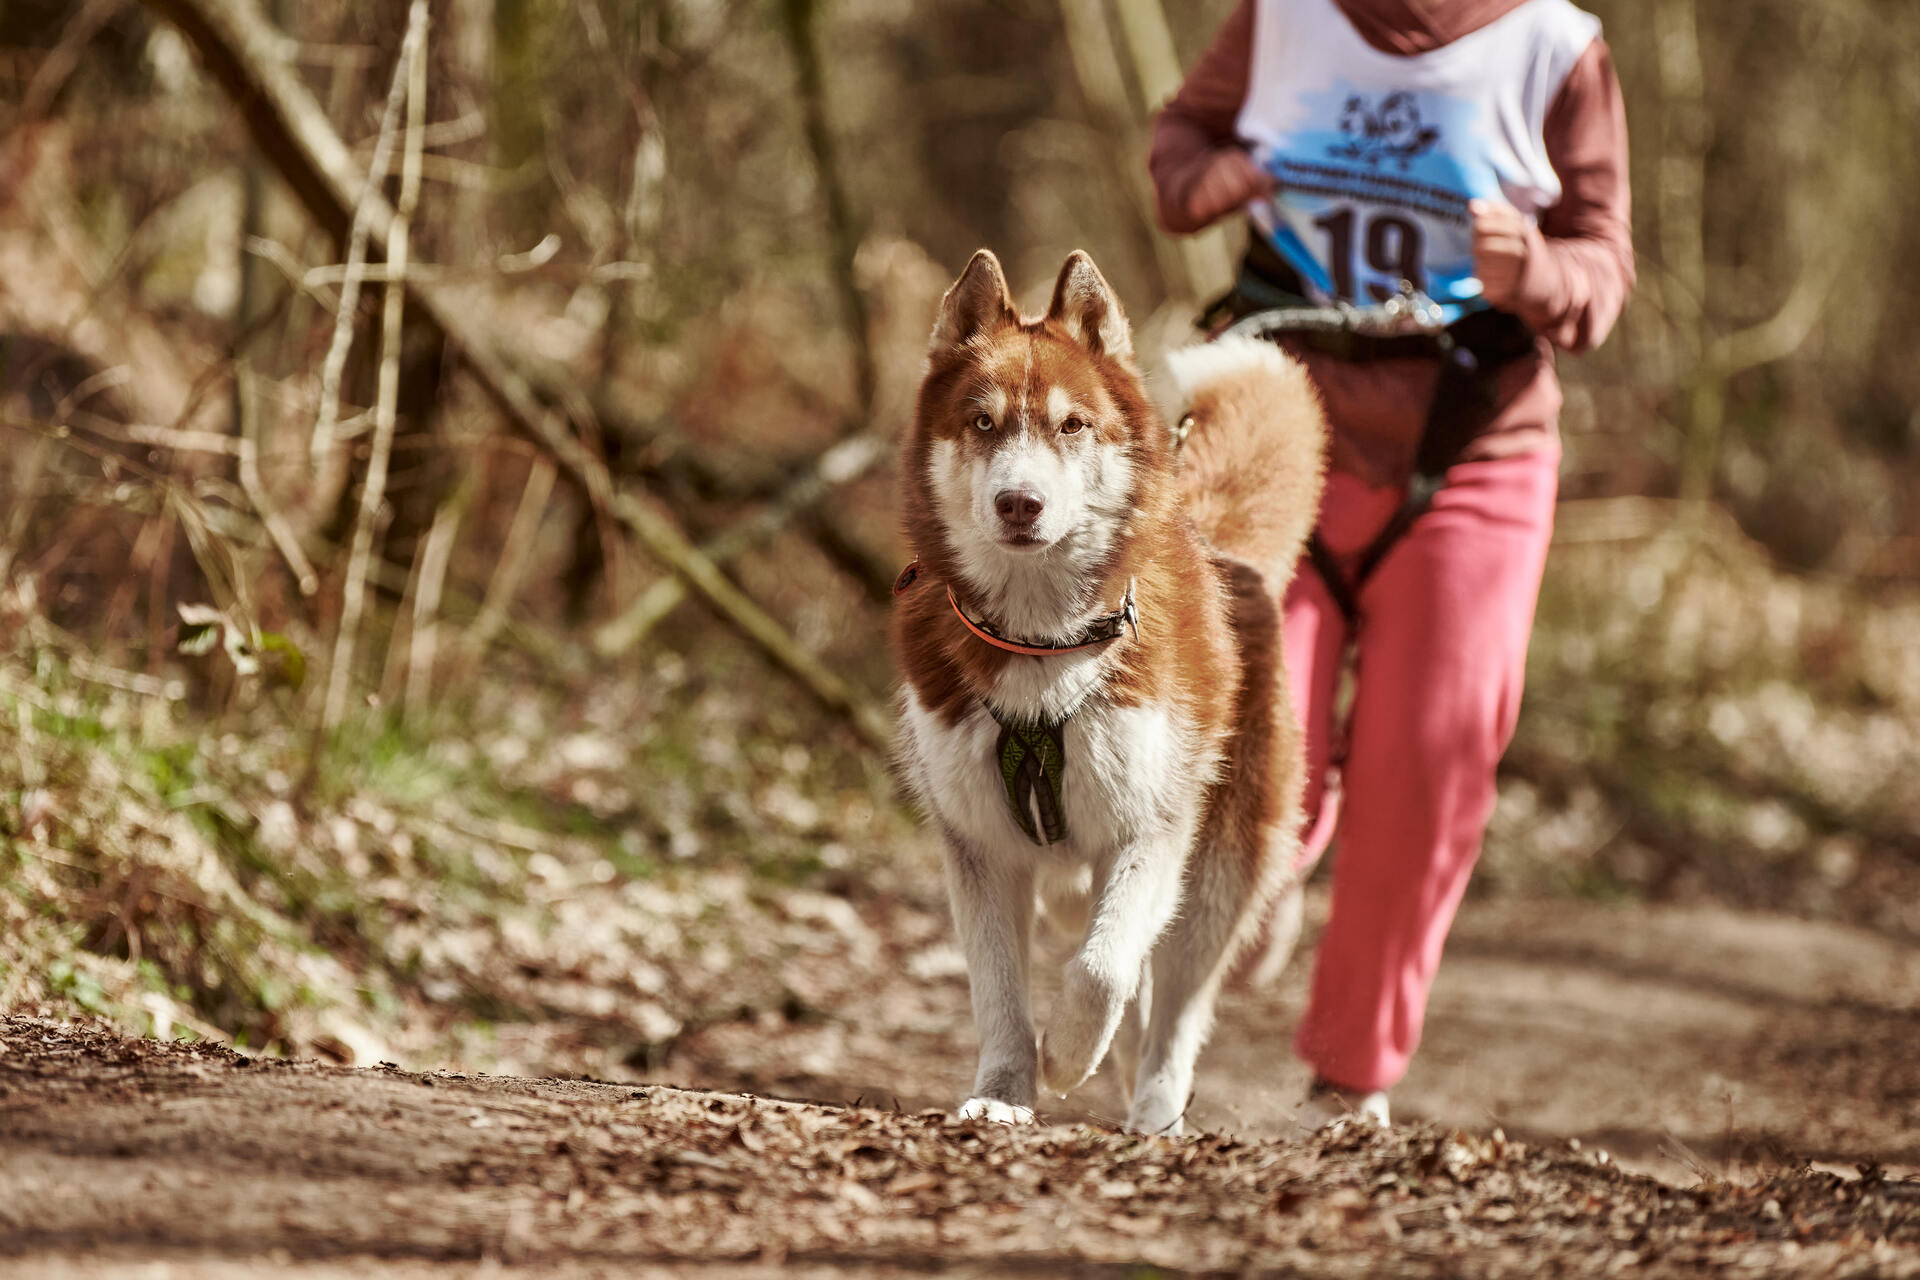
(1201, 171)
(1569, 277)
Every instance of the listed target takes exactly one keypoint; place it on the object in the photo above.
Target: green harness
(1033, 764)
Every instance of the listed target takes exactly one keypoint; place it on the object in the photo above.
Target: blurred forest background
(348, 704)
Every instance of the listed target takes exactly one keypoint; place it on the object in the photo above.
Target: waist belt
(1471, 352)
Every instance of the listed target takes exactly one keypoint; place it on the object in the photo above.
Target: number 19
(1393, 249)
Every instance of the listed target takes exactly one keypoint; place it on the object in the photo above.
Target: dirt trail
(1721, 1051)
(1683, 1040)
(206, 1162)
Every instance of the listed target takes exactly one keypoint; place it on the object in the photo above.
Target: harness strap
(1460, 402)
(1345, 589)
(1344, 593)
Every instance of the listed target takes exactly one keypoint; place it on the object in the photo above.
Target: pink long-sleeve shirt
(1579, 263)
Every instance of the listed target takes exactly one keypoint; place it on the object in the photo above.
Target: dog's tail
(1255, 451)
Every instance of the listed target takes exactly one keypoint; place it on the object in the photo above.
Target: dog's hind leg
(1267, 959)
(1188, 967)
(992, 901)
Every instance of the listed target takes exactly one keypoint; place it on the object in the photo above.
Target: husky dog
(1094, 712)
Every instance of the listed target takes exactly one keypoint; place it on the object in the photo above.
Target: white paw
(995, 1111)
(1084, 1019)
(1158, 1113)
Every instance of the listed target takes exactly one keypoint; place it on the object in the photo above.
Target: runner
(1474, 150)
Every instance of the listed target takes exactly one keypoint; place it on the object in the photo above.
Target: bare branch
(840, 465)
(1779, 335)
(505, 582)
(410, 78)
(59, 65)
(249, 449)
(423, 645)
(336, 361)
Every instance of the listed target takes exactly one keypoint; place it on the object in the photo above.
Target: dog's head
(1033, 438)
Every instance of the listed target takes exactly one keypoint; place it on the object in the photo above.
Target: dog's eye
(983, 421)
(1072, 425)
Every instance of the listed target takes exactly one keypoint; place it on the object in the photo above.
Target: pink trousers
(1441, 654)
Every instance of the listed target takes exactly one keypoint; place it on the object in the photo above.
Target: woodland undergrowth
(544, 879)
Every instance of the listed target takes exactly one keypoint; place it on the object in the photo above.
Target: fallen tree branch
(246, 55)
(842, 464)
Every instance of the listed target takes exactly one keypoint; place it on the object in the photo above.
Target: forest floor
(1675, 1031)
(1602, 1089)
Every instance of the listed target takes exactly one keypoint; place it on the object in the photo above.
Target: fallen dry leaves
(113, 1141)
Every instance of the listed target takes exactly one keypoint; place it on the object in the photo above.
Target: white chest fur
(1130, 774)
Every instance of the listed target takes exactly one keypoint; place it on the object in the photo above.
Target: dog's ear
(977, 303)
(1084, 305)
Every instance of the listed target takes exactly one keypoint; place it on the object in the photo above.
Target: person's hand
(1231, 178)
(1499, 249)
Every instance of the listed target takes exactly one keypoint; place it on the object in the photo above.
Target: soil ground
(1602, 1089)
(1685, 1041)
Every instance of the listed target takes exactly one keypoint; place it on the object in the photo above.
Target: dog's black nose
(1019, 506)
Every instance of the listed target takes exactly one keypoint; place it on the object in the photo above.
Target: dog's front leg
(992, 898)
(1136, 893)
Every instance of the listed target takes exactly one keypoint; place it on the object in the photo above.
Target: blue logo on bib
(1393, 131)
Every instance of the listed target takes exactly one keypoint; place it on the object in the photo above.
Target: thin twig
(400, 634)
(82, 668)
(374, 492)
(170, 438)
(281, 258)
(105, 380)
(158, 570)
(277, 527)
(505, 583)
(314, 278)
(218, 565)
(426, 600)
(539, 258)
(336, 362)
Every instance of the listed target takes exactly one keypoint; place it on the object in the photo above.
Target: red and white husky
(1094, 711)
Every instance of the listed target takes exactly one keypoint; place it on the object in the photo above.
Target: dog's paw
(1158, 1112)
(995, 1111)
(1084, 1019)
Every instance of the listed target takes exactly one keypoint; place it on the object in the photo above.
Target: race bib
(1370, 195)
(1377, 154)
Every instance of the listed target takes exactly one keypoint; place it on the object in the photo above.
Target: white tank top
(1377, 153)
